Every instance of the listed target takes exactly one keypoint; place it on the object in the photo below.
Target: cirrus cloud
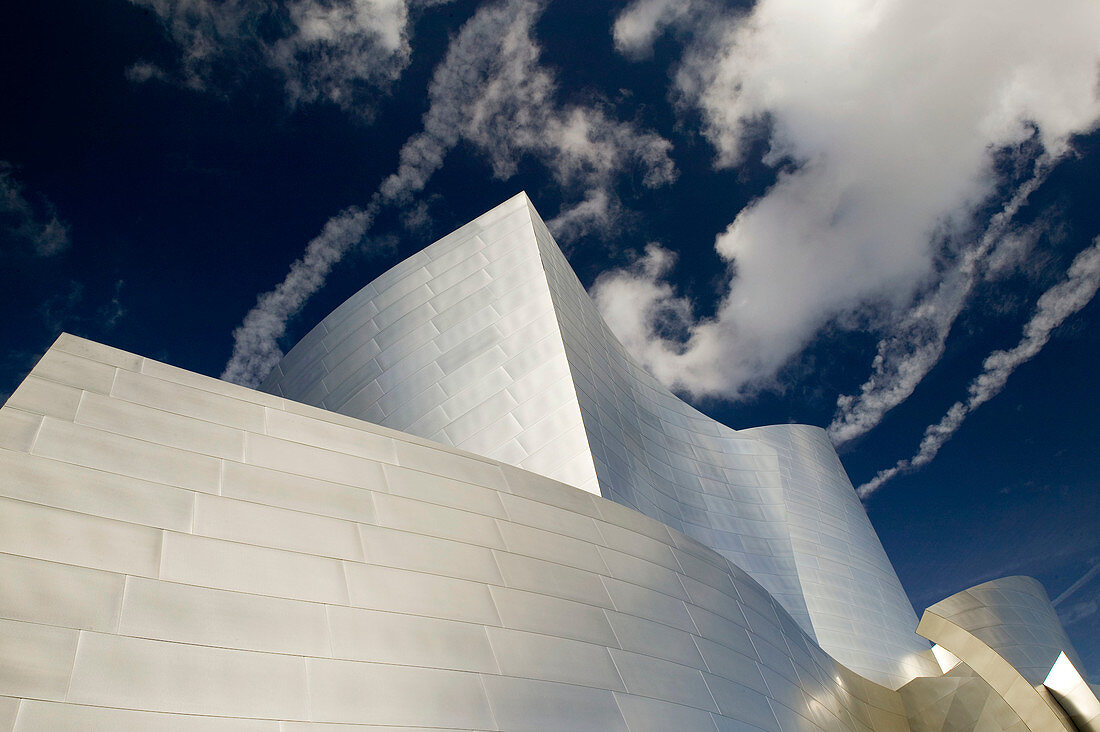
(37, 227)
(1054, 306)
(347, 52)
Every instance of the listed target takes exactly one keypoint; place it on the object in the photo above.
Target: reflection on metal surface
(945, 658)
(1074, 694)
(1009, 633)
(958, 701)
(167, 540)
(487, 341)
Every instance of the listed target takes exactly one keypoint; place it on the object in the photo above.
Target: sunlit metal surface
(945, 658)
(1009, 633)
(487, 341)
(1074, 694)
(181, 553)
(1014, 617)
(1033, 704)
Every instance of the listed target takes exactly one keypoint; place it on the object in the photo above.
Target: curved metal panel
(1033, 704)
(1014, 617)
(1074, 694)
(518, 365)
(658, 455)
(851, 590)
(458, 344)
(181, 553)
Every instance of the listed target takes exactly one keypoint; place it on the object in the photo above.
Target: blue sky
(877, 217)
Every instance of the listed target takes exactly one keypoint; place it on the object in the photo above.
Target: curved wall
(658, 455)
(1014, 617)
(487, 341)
(1032, 703)
(850, 587)
(181, 553)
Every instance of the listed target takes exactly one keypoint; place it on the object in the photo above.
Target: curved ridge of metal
(1014, 617)
(487, 341)
(1033, 704)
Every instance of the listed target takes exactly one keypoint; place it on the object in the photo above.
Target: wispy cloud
(490, 92)
(110, 314)
(1074, 612)
(143, 71)
(1078, 611)
(256, 339)
(1053, 307)
(342, 51)
(1077, 585)
(597, 211)
(881, 120)
(77, 308)
(637, 27)
(62, 308)
(916, 340)
(29, 226)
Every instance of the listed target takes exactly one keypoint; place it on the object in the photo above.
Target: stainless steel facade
(958, 700)
(487, 341)
(180, 553)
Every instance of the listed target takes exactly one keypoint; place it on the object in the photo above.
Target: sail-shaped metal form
(486, 340)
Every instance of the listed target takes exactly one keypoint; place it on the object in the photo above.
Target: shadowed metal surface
(487, 341)
(958, 701)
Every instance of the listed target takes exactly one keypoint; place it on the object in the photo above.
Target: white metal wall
(487, 341)
(179, 553)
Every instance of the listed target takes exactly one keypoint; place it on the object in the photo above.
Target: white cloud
(490, 92)
(595, 213)
(37, 227)
(337, 49)
(883, 115)
(1054, 306)
(341, 51)
(493, 93)
(636, 27)
(637, 302)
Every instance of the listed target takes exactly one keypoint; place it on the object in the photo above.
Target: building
(458, 503)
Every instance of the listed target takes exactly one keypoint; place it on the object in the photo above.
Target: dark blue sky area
(147, 199)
